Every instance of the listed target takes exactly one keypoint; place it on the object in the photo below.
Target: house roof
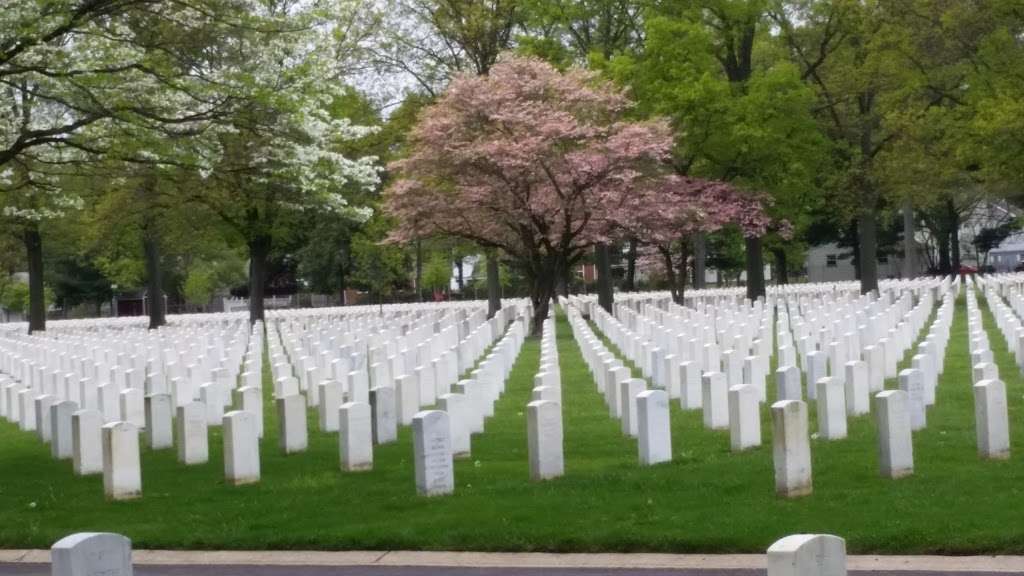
(1008, 247)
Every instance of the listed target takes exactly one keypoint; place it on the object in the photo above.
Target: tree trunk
(944, 265)
(541, 290)
(630, 283)
(493, 284)
(459, 274)
(670, 274)
(36, 294)
(700, 257)
(954, 236)
(259, 252)
(605, 297)
(684, 256)
(755, 268)
(867, 232)
(781, 266)
(342, 284)
(154, 278)
(909, 246)
(418, 283)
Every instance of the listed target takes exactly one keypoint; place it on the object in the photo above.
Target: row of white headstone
(736, 407)
(544, 411)
(113, 448)
(991, 412)
(443, 434)
(643, 413)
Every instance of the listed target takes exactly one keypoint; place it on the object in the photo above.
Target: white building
(830, 263)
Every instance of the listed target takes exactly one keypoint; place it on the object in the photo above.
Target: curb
(1005, 564)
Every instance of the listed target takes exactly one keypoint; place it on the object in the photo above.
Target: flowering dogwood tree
(676, 208)
(527, 159)
(277, 150)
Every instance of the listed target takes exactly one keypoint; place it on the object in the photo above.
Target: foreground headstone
(385, 422)
(991, 419)
(788, 384)
(858, 393)
(250, 399)
(715, 401)
(895, 442)
(407, 398)
(432, 453)
(293, 436)
(544, 439)
(744, 417)
(133, 407)
(627, 395)
(355, 436)
(91, 554)
(241, 448)
(61, 444)
(87, 442)
(653, 427)
(912, 382)
(327, 408)
(807, 555)
(456, 407)
(159, 421)
(831, 398)
(122, 469)
(791, 448)
(190, 428)
(41, 407)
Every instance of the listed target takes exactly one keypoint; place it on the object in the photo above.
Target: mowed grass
(706, 500)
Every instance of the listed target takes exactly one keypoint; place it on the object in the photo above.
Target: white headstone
(241, 448)
(355, 436)
(788, 385)
(250, 399)
(991, 419)
(544, 439)
(690, 394)
(858, 398)
(456, 408)
(831, 400)
(61, 444)
(91, 554)
(327, 409)
(122, 470)
(407, 398)
(628, 391)
(715, 400)
(895, 443)
(912, 382)
(385, 421)
(432, 453)
(807, 555)
(744, 417)
(87, 442)
(190, 428)
(293, 432)
(653, 427)
(791, 448)
(159, 421)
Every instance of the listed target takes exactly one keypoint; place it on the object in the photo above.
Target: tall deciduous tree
(276, 153)
(527, 160)
(739, 109)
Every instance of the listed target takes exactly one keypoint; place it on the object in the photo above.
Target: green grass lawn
(706, 500)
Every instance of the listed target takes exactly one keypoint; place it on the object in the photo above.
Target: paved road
(44, 570)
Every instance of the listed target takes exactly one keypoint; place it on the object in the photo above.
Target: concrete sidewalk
(522, 562)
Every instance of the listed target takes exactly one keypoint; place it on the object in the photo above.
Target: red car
(964, 269)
